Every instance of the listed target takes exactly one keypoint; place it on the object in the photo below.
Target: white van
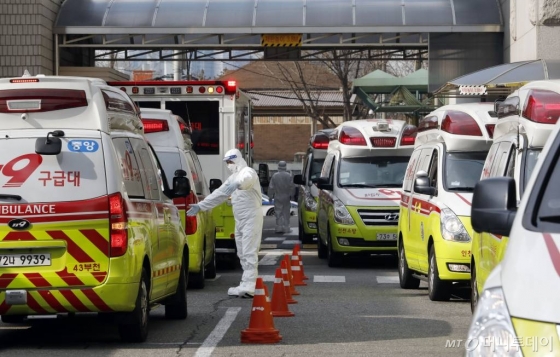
(434, 226)
(522, 129)
(170, 136)
(88, 222)
(360, 185)
(517, 312)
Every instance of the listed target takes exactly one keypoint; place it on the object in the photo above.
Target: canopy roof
(379, 82)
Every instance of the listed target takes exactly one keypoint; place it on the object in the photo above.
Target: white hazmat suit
(246, 199)
(281, 188)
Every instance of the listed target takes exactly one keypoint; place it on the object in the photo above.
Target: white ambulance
(169, 135)
(517, 312)
(434, 227)
(360, 185)
(524, 125)
(88, 223)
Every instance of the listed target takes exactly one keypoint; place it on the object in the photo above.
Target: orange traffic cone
(261, 326)
(296, 271)
(286, 279)
(297, 251)
(288, 261)
(279, 306)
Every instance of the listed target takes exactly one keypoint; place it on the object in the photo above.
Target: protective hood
(282, 166)
(238, 161)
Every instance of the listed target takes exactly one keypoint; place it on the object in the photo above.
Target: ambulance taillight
(154, 125)
(409, 135)
(320, 142)
(490, 130)
(352, 136)
(460, 123)
(542, 106)
(118, 225)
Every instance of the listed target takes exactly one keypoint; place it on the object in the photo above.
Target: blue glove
(193, 210)
(230, 188)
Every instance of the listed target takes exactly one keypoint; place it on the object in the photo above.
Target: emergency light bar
(174, 87)
(41, 100)
(320, 142)
(409, 135)
(428, 123)
(352, 136)
(383, 142)
(460, 123)
(154, 125)
(542, 106)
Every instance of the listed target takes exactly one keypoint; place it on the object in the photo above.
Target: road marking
(269, 259)
(269, 246)
(267, 278)
(218, 333)
(274, 239)
(291, 242)
(387, 279)
(329, 279)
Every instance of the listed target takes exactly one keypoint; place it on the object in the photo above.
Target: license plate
(25, 260)
(386, 236)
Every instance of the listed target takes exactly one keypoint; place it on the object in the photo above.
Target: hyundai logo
(392, 217)
(19, 224)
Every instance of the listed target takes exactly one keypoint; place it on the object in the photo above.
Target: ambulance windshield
(531, 161)
(372, 172)
(462, 170)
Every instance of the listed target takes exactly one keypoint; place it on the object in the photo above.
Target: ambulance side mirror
(181, 186)
(323, 184)
(263, 175)
(422, 184)
(298, 180)
(215, 184)
(494, 206)
(51, 145)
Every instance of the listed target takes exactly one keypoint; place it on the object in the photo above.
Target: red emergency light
(490, 130)
(383, 142)
(26, 80)
(154, 125)
(320, 142)
(231, 87)
(428, 123)
(352, 136)
(542, 106)
(409, 135)
(460, 123)
(219, 89)
(41, 100)
(241, 146)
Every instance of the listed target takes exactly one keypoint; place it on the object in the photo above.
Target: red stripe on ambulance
(74, 250)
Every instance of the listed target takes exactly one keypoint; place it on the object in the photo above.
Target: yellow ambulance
(434, 230)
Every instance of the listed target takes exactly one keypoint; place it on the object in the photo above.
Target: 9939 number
(19, 260)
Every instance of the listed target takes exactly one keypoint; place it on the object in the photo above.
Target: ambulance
(525, 121)
(434, 227)
(87, 218)
(308, 193)
(360, 185)
(517, 312)
(169, 135)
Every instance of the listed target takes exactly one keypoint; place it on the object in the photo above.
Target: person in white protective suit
(244, 188)
(281, 189)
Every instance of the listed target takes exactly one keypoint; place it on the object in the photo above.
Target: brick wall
(280, 142)
(26, 38)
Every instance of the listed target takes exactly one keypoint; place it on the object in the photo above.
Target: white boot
(233, 291)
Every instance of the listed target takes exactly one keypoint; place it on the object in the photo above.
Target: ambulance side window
(196, 178)
(129, 167)
(502, 156)
(411, 171)
(326, 170)
(510, 171)
(152, 179)
(305, 166)
(433, 170)
(198, 168)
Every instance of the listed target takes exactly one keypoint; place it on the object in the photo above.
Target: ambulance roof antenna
(26, 74)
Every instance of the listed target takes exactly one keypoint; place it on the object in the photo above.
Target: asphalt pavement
(356, 310)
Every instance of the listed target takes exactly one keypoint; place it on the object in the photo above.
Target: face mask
(231, 167)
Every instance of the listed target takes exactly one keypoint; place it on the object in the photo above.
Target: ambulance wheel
(334, 259)
(406, 280)
(196, 280)
(304, 237)
(474, 288)
(211, 268)
(321, 249)
(135, 328)
(438, 290)
(12, 319)
(176, 309)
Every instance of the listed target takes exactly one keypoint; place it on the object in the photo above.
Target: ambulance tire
(177, 309)
(135, 328)
(211, 267)
(474, 288)
(438, 290)
(304, 237)
(406, 280)
(334, 259)
(322, 250)
(197, 280)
